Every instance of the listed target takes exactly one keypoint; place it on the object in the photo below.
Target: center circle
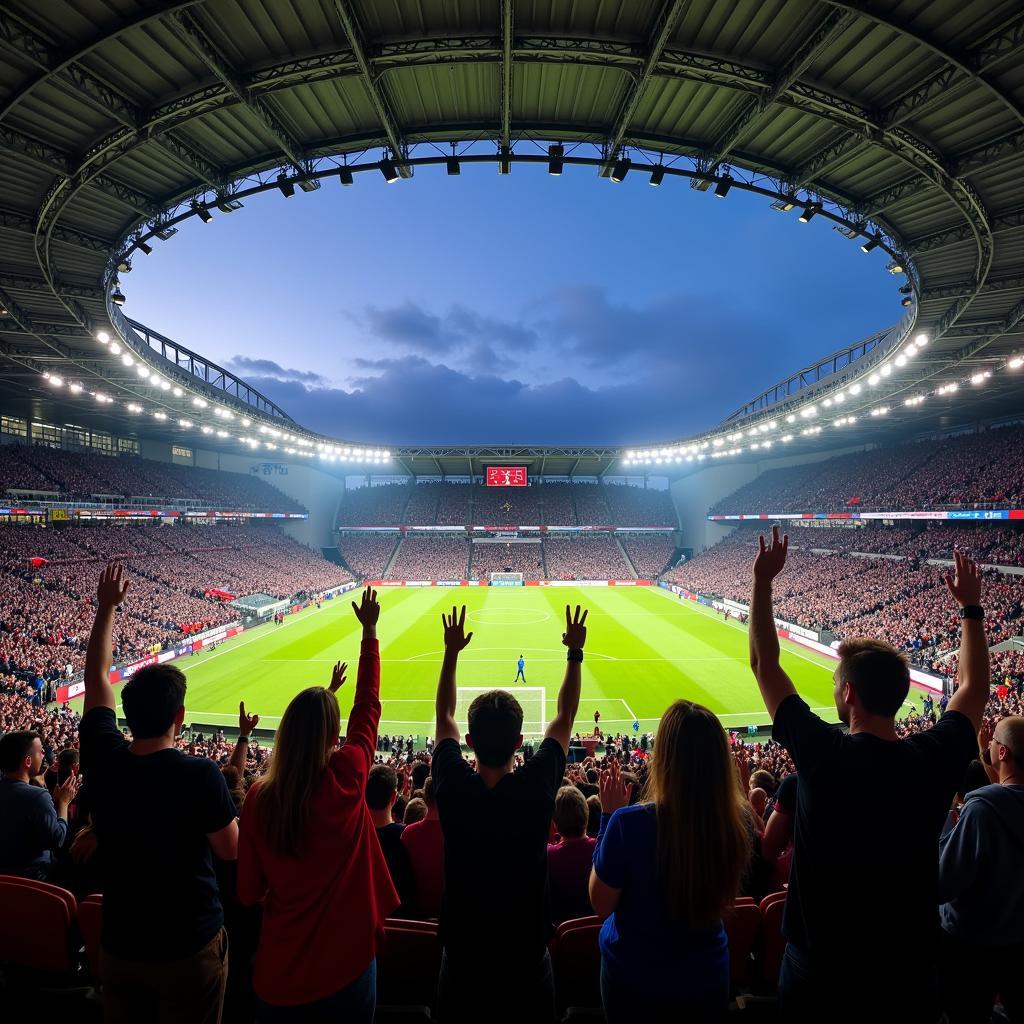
(507, 616)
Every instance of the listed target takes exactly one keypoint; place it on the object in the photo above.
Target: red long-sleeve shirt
(322, 911)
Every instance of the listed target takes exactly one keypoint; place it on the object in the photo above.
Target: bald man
(981, 887)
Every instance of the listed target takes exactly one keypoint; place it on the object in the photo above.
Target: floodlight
(807, 213)
(723, 186)
(287, 187)
(505, 160)
(869, 244)
(117, 296)
(1015, 363)
(203, 214)
(784, 205)
(389, 170)
(165, 233)
(621, 169)
(657, 175)
(228, 205)
(921, 340)
(308, 184)
(555, 154)
(453, 166)
(102, 337)
(345, 176)
(145, 249)
(906, 301)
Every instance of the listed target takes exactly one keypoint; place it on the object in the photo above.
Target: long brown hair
(703, 840)
(302, 747)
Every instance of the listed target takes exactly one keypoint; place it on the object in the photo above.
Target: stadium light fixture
(784, 205)
(854, 389)
(886, 370)
(345, 176)
(980, 378)
(165, 233)
(203, 214)
(184, 423)
(56, 381)
(389, 170)
(504, 159)
(143, 371)
(144, 248)
(906, 301)
(178, 392)
(807, 213)
(308, 184)
(453, 165)
(133, 407)
(657, 175)
(791, 418)
(556, 153)
(127, 360)
(900, 360)
(228, 205)
(895, 267)
(839, 397)
(114, 349)
(1016, 363)
(870, 243)
(165, 385)
(159, 415)
(621, 169)
(921, 340)
(287, 187)
(874, 380)
(117, 296)
(102, 337)
(199, 403)
(723, 186)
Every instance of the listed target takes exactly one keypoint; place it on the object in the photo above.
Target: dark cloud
(268, 368)
(408, 325)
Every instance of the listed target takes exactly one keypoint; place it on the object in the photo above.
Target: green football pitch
(645, 648)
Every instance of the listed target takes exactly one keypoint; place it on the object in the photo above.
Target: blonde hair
(303, 745)
(703, 836)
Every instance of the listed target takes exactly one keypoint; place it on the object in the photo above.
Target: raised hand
(614, 790)
(338, 676)
(771, 558)
(575, 635)
(246, 723)
(965, 583)
(65, 793)
(368, 610)
(455, 637)
(742, 758)
(112, 587)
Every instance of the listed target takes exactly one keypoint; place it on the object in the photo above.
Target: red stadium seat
(46, 942)
(773, 943)
(408, 964)
(90, 924)
(576, 959)
(742, 925)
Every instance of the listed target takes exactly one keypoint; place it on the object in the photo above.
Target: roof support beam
(14, 221)
(990, 154)
(661, 32)
(22, 283)
(507, 20)
(374, 89)
(953, 236)
(754, 108)
(953, 291)
(199, 41)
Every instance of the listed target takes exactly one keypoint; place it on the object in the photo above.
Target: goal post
(506, 579)
(532, 699)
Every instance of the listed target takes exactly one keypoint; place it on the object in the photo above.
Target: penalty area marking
(537, 616)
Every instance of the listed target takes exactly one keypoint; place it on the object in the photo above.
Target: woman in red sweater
(308, 849)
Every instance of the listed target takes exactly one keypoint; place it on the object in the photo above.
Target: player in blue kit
(521, 664)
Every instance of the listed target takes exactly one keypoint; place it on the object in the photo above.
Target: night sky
(524, 308)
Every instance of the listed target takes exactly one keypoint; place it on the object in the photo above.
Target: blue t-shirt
(521, 663)
(639, 940)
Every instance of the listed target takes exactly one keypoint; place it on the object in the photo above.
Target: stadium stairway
(626, 558)
(391, 561)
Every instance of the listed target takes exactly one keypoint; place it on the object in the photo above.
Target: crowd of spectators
(525, 558)
(431, 558)
(585, 558)
(49, 574)
(985, 468)
(651, 556)
(630, 505)
(377, 505)
(367, 555)
(91, 475)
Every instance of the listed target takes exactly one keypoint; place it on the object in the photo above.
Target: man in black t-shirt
(381, 794)
(495, 914)
(869, 809)
(158, 814)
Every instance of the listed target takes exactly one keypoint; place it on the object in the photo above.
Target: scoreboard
(506, 476)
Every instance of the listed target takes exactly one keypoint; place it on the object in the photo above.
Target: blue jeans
(356, 1003)
(630, 1003)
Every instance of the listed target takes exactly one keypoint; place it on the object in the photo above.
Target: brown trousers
(189, 991)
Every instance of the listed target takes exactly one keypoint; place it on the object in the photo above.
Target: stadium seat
(773, 943)
(90, 924)
(576, 960)
(742, 925)
(408, 964)
(52, 912)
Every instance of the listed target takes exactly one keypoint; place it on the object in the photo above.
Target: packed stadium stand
(367, 555)
(85, 475)
(380, 505)
(970, 469)
(650, 556)
(630, 505)
(525, 558)
(50, 576)
(585, 558)
(431, 558)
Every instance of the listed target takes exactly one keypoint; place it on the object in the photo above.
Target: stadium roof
(902, 124)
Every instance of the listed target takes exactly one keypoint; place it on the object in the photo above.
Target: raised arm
(365, 715)
(246, 724)
(773, 682)
(99, 656)
(574, 637)
(975, 669)
(455, 640)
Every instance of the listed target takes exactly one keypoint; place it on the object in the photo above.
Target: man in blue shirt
(32, 824)
(521, 664)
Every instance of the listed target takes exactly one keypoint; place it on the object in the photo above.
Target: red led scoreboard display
(506, 476)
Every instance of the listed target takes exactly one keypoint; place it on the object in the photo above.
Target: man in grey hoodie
(981, 888)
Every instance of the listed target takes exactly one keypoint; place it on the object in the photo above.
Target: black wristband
(972, 611)
(243, 739)
(575, 654)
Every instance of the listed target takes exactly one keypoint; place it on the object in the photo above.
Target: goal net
(506, 579)
(530, 697)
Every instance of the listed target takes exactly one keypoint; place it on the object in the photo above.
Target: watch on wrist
(575, 654)
(972, 611)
